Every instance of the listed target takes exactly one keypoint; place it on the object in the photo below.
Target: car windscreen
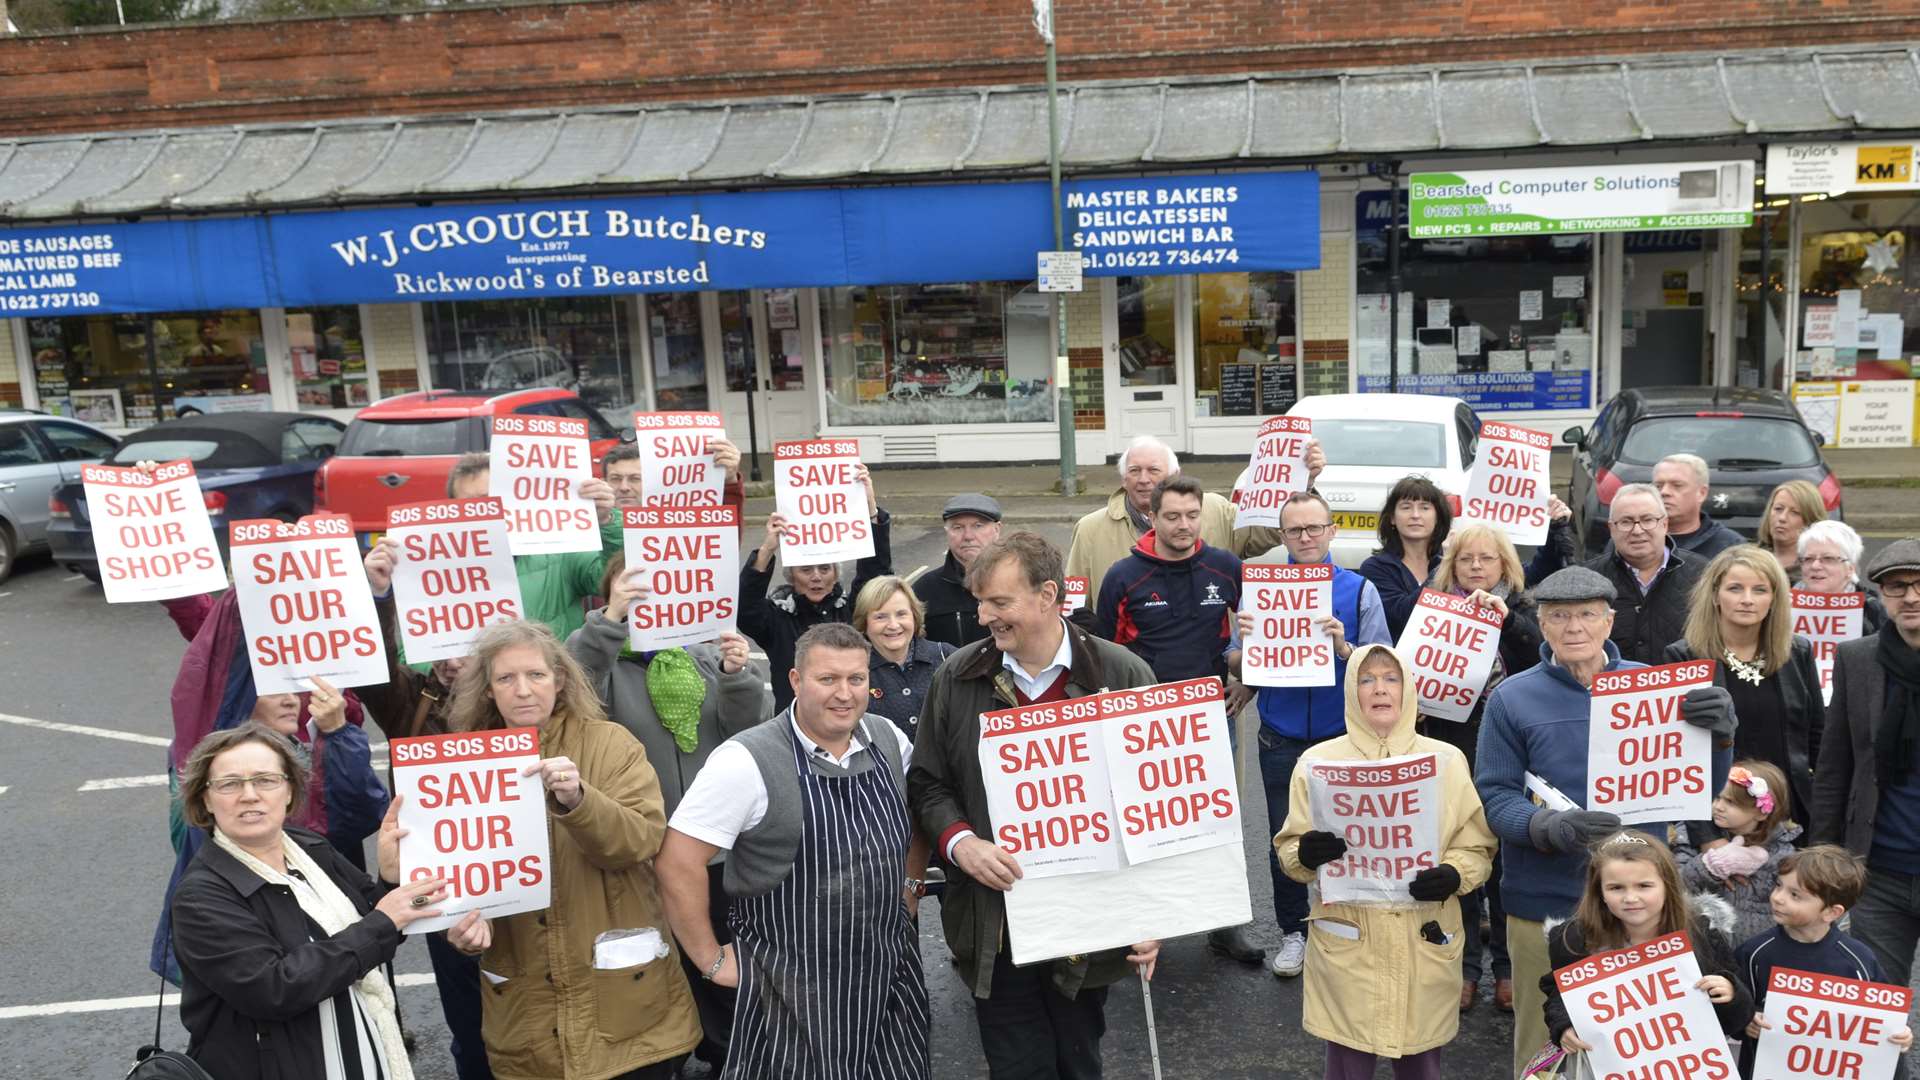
(1726, 442)
(207, 451)
(1408, 444)
(404, 438)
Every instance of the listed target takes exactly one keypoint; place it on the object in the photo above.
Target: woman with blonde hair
(563, 1010)
(1742, 619)
(1792, 507)
(903, 657)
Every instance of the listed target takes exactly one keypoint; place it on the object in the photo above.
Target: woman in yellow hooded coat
(1383, 977)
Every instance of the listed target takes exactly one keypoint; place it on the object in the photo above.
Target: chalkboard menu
(1279, 388)
(1237, 383)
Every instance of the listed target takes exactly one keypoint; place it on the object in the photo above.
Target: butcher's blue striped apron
(830, 980)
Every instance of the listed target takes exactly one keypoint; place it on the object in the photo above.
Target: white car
(1371, 441)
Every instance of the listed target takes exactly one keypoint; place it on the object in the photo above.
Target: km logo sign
(1884, 165)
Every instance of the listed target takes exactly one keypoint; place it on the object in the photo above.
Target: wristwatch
(916, 887)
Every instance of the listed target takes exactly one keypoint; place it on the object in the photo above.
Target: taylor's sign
(1276, 473)
(817, 488)
(1388, 812)
(539, 465)
(676, 464)
(454, 576)
(472, 818)
(1581, 199)
(1828, 1026)
(305, 604)
(1286, 647)
(1831, 168)
(1644, 762)
(1510, 483)
(690, 559)
(1827, 621)
(1641, 1012)
(1452, 642)
(151, 533)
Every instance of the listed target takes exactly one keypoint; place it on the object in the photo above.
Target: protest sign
(1827, 620)
(1510, 483)
(1644, 762)
(817, 488)
(305, 605)
(539, 465)
(454, 575)
(1638, 1008)
(1286, 648)
(1451, 642)
(151, 533)
(690, 557)
(1172, 769)
(676, 468)
(1277, 471)
(1828, 1026)
(1045, 771)
(1388, 812)
(1075, 596)
(472, 818)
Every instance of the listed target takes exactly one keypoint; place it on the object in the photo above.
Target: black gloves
(1435, 883)
(1710, 707)
(1569, 831)
(1320, 848)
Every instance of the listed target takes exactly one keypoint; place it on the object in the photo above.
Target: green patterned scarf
(678, 691)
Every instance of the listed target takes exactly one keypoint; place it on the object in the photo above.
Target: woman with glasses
(1792, 507)
(1742, 619)
(281, 940)
(1829, 563)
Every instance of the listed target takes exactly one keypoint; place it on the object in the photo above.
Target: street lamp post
(1062, 376)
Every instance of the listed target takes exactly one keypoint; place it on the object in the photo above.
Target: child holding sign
(1633, 895)
(1817, 887)
(1383, 979)
(1755, 810)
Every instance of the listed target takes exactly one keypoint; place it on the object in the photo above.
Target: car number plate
(1347, 519)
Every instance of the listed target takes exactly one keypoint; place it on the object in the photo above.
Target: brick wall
(623, 51)
(9, 368)
(1325, 313)
(1086, 346)
(389, 333)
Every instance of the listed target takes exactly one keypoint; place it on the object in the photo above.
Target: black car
(1752, 440)
(249, 464)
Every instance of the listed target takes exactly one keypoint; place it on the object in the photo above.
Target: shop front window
(329, 361)
(135, 370)
(679, 351)
(736, 339)
(1859, 318)
(1147, 307)
(1501, 322)
(1246, 360)
(579, 344)
(936, 354)
(786, 346)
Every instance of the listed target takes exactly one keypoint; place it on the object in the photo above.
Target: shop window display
(1501, 322)
(736, 339)
(583, 345)
(786, 346)
(1246, 350)
(679, 351)
(329, 361)
(1859, 321)
(136, 370)
(1147, 308)
(936, 354)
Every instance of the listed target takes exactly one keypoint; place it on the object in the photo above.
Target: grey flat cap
(972, 503)
(1899, 555)
(1573, 584)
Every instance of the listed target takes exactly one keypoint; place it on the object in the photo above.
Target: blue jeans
(1278, 755)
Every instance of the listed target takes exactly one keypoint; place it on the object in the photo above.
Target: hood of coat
(784, 598)
(1148, 547)
(1359, 731)
(1716, 911)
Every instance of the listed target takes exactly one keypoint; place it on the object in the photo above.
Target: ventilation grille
(912, 448)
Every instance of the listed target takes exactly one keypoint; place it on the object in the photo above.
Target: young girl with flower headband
(1755, 813)
(1634, 895)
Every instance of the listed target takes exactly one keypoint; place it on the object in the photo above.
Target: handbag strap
(159, 1010)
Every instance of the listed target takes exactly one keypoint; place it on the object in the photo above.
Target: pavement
(1880, 499)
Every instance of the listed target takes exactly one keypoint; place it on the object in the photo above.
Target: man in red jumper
(1043, 1019)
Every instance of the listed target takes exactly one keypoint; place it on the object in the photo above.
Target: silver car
(37, 454)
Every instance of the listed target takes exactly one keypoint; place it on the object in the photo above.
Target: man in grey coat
(1866, 783)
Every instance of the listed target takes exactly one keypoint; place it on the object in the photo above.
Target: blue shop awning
(955, 134)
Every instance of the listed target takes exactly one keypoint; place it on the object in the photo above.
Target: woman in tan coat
(551, 1013)
(1383, 977)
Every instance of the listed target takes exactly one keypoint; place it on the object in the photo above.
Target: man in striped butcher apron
(824, 870)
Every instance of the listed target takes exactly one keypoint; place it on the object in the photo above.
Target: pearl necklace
(1751, 671)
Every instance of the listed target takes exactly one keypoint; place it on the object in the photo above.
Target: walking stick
(1153, 1038)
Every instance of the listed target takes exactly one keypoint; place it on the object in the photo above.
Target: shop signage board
(1831, 168)
(1495, 391)
(1644, 762)
(1581, 199)
(1876, 412)
(454, 576)
(907, 234)
(151, 533)
(474, 819)
(1388, 812)
(305, 605)
(691, 558)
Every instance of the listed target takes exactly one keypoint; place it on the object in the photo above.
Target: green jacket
(554, 588)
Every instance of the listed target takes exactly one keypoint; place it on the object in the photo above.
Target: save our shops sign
(1603, 198)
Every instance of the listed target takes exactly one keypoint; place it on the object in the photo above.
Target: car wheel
(9, 547)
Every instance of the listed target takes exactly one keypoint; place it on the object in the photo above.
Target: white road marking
(75, 577)
(138, 1001)
(81, 729)
(910, 578)
(4, 595)
(116, 782)
(3, 791)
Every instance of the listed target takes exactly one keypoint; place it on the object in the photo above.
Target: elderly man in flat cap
(971, 521)
(1866, 790)
(1536, 723)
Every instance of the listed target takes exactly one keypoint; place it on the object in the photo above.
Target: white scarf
(324, 903)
